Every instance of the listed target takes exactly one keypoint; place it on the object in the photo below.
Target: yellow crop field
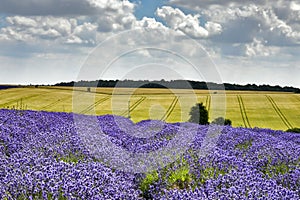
(273, 110)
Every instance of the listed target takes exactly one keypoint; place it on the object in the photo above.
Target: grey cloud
(238, 31)
(198, 5)
(17, 50)
(46, 7)
(63, 7)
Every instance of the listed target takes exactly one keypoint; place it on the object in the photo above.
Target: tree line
(178, 84)
(4, 87)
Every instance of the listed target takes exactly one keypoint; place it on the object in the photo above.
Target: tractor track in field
(279, 113)
(297, 97)
(22, 99)
(208, 102)
(56, 102)
(170, 109)
(243, 112)
(90, 107)
(133, 106)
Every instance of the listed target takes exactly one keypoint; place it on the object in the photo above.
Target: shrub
(180, 178)
(222, 121)
(293, 130)
(148, 180)
(199, 114)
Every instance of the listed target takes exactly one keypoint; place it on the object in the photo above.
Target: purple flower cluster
(41, 157)
(44, 156)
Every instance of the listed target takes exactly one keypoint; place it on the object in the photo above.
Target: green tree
(199, 114)
(222, 121)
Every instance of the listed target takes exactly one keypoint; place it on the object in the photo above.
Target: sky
(229, 41)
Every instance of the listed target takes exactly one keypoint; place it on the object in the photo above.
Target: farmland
(274, 110)
(61, 155)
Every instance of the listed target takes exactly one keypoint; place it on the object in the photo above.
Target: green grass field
(273, 110)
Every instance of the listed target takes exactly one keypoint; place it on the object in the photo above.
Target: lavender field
(43, 156)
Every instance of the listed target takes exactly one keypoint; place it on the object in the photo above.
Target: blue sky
(45, 42)
(147, 8)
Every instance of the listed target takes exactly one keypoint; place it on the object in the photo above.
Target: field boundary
(134, 106)
(170, 109)
(110, 93)
(90, 107)
(279, 113)
(77, 90)
(243, 112)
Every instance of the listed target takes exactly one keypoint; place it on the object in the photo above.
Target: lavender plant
(42, 156)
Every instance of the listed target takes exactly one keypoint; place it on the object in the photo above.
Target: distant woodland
(178, 84)
(3, 87)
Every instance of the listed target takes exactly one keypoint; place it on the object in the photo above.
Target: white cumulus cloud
(275, 20)
(151, 23)
(187, 24)
(259, 48)
(61, 29)
(79, 26)
(213, 28)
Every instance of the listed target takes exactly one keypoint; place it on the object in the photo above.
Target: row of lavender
(45, 156)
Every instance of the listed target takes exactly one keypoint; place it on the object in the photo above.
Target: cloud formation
(260, 22)
(258, 48)
(260, 32)
(88, 22)
(65, 21)
(256, 25)
(230, 23)
(199, 5)
(188, 24)
(64, 30)
(63, 7)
